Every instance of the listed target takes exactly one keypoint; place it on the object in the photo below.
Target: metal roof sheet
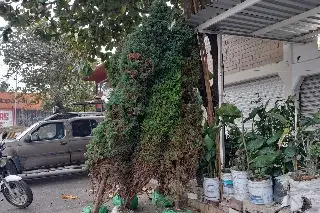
(287, 20)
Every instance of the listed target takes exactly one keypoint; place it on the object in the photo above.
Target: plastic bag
(118, 201)
(160, 201)
(87, 209)
(302, 192)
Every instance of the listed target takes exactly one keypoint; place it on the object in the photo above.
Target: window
(83, 127)
(50, 131)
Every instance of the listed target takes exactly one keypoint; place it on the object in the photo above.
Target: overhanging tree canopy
(91, 25)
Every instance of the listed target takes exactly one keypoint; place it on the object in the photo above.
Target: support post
(221, 88)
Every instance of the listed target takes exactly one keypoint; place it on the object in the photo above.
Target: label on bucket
(227, 183)
(257, 199)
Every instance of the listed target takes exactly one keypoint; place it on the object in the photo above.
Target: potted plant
(262, 158)
(240, 166)
(305, 182)
(225, 117)
(232, 144)
(271, 148)
(211, 180)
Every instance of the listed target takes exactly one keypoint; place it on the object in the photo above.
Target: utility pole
(15, 101)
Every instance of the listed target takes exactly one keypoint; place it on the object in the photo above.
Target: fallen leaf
(68, 197)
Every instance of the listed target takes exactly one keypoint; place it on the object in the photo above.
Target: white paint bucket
(240, 185)
(211, 189)
(227, 184)
(261, 192)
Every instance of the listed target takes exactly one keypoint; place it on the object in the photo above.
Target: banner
(24, 101)
(6, 118)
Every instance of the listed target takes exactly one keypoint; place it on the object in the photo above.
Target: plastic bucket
(227, 184)
(240, 185)
(211, 189)
(261, 192)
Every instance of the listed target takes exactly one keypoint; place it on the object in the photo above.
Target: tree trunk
(210, 112)
(99, 197)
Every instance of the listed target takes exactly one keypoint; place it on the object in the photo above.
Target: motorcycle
(14, 189)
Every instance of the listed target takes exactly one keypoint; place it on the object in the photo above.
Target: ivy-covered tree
(153, 117)
(46, 68)
(92, 25)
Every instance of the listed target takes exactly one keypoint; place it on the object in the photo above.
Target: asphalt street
(47, 196)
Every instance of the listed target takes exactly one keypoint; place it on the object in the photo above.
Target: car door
(81, 134)
(47, 148)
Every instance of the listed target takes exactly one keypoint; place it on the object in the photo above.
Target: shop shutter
(310, 95)
(244, 94)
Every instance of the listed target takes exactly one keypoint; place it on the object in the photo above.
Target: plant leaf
(289, 151)
(278, 117)
(252, 114)
(210, 75)
(209, 142)
(266, 150)
(208, 156)
(256, 144)
(274, 138)
(263, 161)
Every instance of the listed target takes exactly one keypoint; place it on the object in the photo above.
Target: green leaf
(274, 138)
(266, 151)
(252, 114)
(263, 161)
(277, 117)
(210, 75)
(256, 144)
(228, 110)
(213, 131)
(289, 152)
(208, 156)
(123, 9)
(209, 142)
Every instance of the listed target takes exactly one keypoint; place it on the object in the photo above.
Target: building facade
(271, 70)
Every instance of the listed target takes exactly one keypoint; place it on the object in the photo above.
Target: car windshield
(27, 130)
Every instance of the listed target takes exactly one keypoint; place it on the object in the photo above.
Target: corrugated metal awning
(286, 20)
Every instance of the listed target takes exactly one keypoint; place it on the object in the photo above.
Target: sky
(3, 66)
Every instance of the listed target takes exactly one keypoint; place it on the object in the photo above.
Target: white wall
(305, 61)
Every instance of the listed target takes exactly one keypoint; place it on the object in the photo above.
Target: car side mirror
(4, 135)
(28, 139)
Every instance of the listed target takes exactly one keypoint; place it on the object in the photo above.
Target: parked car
(56, 142)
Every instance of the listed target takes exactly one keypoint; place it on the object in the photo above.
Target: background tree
(4, 86)
(46, 68)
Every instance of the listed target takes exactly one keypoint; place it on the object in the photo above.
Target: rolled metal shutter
(244, 94)
(310, 95)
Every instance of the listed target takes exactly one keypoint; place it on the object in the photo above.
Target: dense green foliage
(270, 142)
(92, 26)
(153, 117)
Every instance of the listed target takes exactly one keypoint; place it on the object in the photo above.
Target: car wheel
(11, 168)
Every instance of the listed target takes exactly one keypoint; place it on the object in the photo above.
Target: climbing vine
(153, 117)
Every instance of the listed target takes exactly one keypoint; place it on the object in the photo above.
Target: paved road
(47, 196)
